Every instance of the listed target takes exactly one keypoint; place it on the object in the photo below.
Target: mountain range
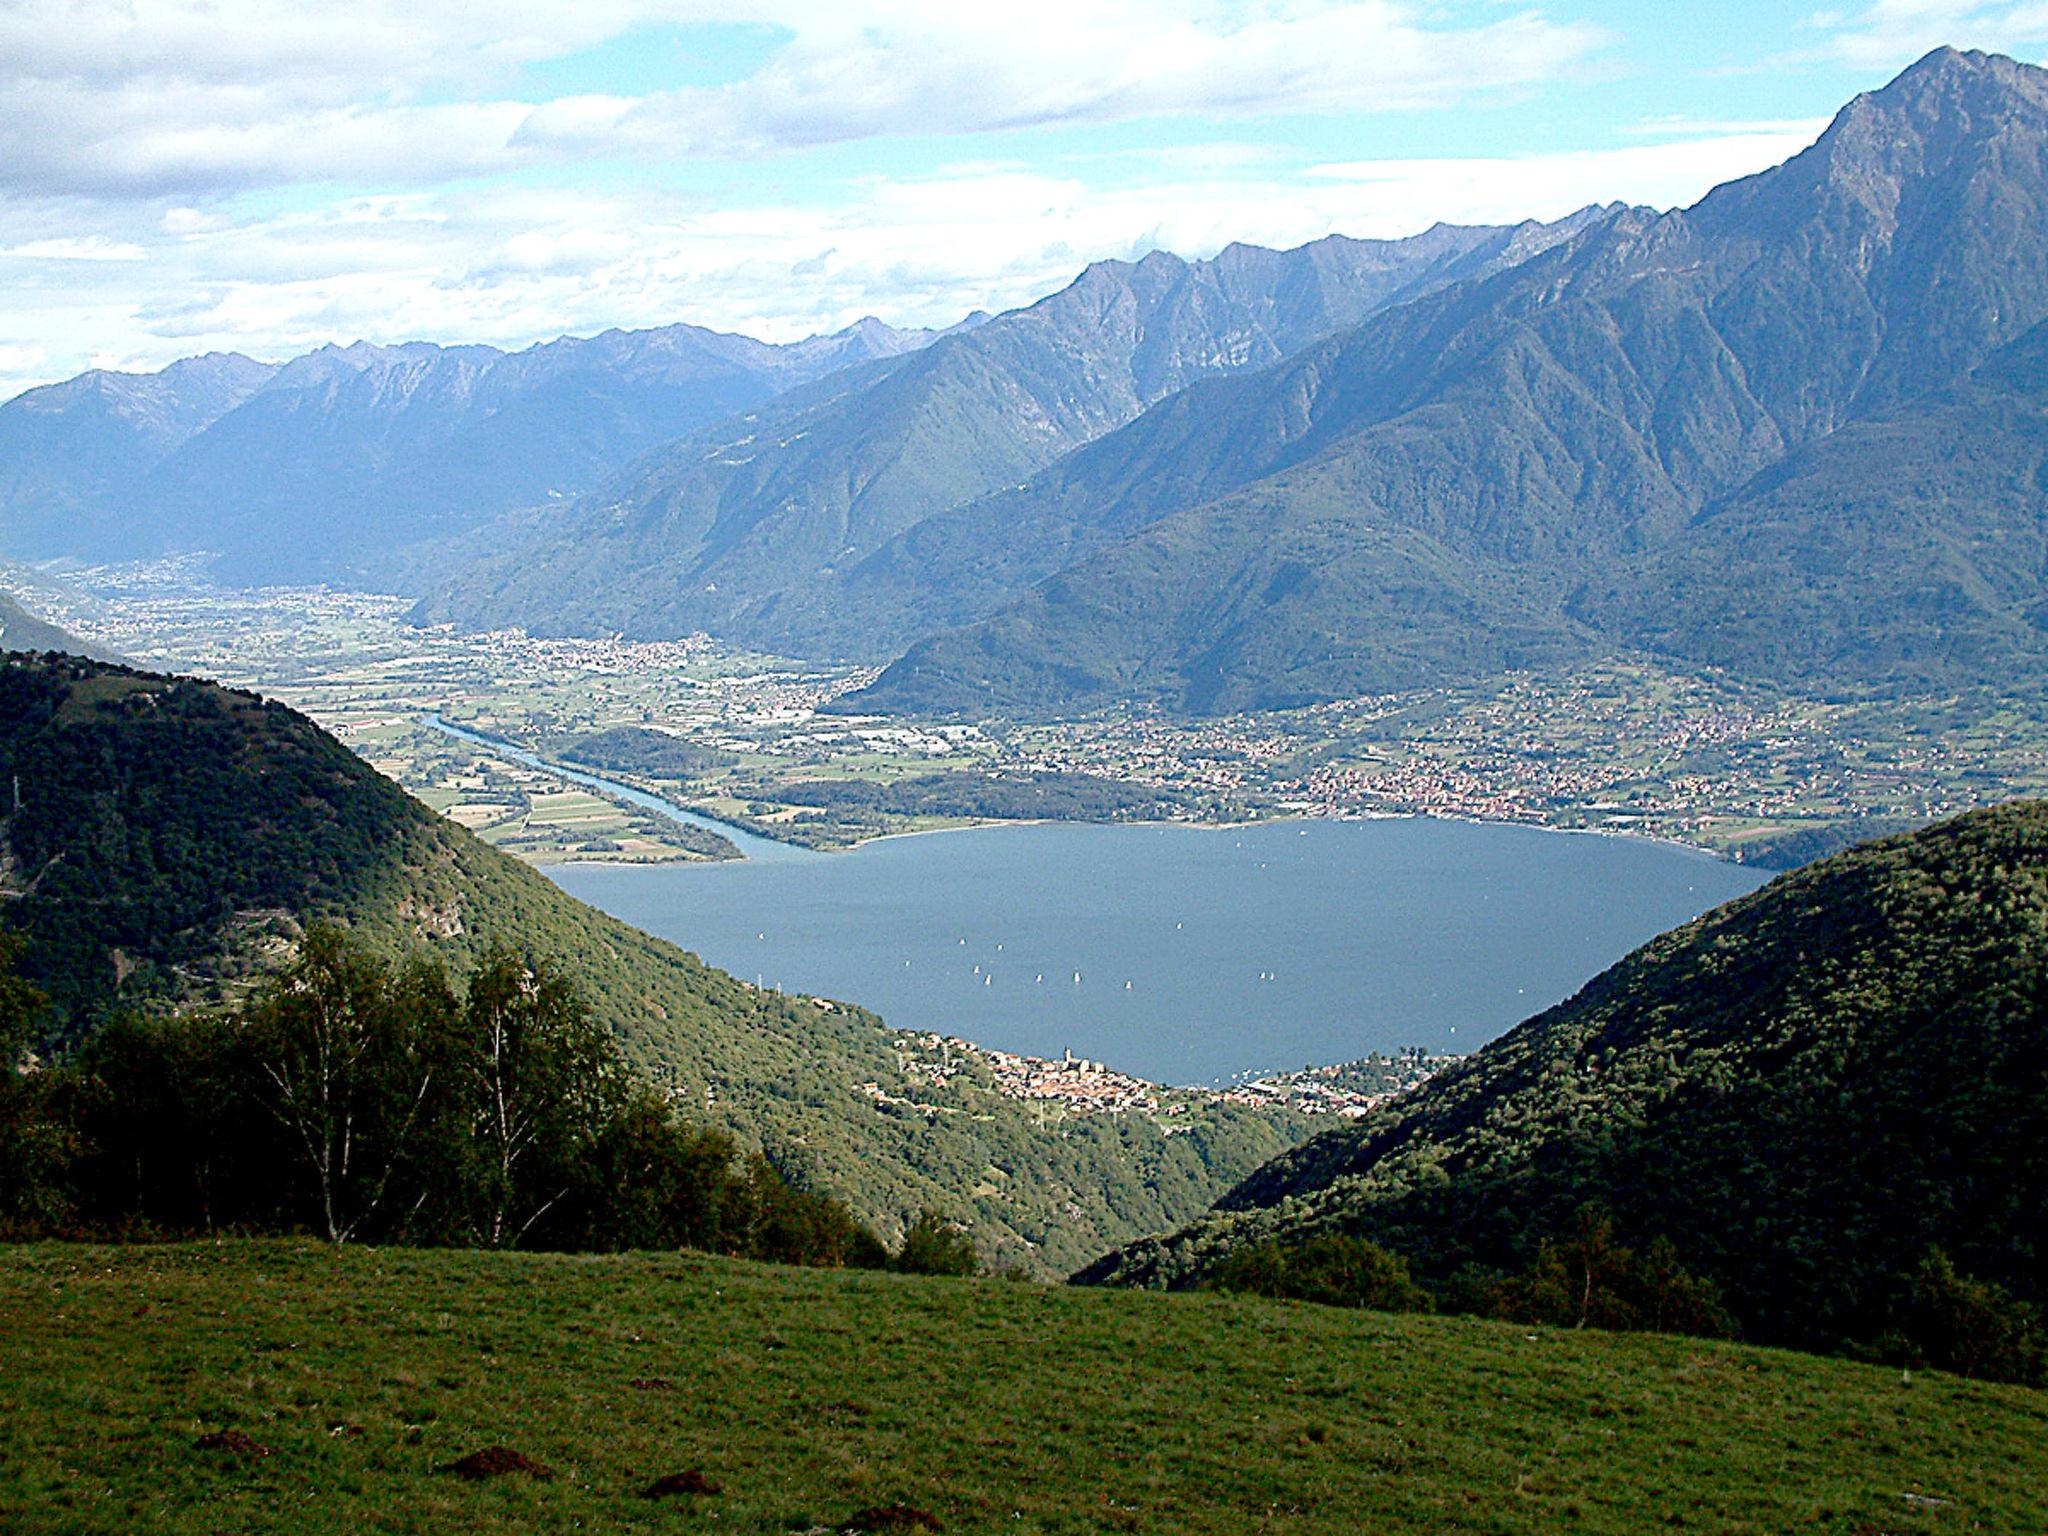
(1725, 434)
(759, 528)
(1792, 431)
(357, 451)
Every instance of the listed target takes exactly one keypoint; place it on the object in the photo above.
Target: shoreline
(720, 826)
(1676, 844)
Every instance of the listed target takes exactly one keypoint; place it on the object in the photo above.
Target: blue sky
(189, 175)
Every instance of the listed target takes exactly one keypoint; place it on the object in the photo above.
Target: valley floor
(1621, 746)
(808, 1397)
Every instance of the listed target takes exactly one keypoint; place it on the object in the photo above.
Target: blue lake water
(1200, 953)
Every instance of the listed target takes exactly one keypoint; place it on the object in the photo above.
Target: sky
(266, 176)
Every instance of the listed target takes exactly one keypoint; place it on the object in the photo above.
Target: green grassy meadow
(808, 1397)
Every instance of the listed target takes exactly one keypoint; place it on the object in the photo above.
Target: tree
(540, 1080)
(1971, 1327)
(1335, 1269)
(350, 1053)
(173, 1128)
(1591, 1280)
(33, 1145)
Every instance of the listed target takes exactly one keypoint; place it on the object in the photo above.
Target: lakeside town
(1346, 1091)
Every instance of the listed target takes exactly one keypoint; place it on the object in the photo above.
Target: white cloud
(1889, 33)
(67, 248)
(1667, 175)
(137, 131)
(965, 69)
(511, 265)
(193, 99)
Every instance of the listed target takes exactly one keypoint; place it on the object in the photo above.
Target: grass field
(808, 1398)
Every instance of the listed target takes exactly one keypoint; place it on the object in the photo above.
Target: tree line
(363, 1100)
(1590, 1278)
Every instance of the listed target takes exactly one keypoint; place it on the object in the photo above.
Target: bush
(933, 1245)
(1971, 1327)
(1590, 1280)
(1336, 1270)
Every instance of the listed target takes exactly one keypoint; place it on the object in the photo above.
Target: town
(1626, 747)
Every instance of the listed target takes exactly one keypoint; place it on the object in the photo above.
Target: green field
(808, 1397)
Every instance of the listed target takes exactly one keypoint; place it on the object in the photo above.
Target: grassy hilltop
(810, 1397)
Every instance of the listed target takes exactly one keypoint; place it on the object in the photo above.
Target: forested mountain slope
(173, 839)
(1572, 456)
(1805, 1092)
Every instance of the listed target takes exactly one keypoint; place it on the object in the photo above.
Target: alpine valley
(357, 1176)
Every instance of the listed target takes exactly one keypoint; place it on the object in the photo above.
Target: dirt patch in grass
(496, 1461)
(231, 1442)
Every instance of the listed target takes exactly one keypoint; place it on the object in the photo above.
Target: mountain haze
(319, 468)
(21, 630)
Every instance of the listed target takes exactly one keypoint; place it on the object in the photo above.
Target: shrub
(1336, 1270)
(933, 1245)
(1590, 1280)
(1971, 1327)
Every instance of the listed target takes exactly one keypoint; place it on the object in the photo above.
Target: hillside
(327, 466)
(1803, 1091)
(755, 528)
(1666, 420)
(21, 630)
(173, 839)
(805, 1398)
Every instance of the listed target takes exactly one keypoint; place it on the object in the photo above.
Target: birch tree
(348, 1053)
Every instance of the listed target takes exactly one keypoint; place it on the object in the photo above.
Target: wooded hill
(173, 840)
(1805, 1094)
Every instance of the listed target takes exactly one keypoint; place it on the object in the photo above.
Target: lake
(1185, 955)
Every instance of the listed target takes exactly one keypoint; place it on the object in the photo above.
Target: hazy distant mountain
(321, 467)
(1729, 433)
(67, 447)
(741, 528)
